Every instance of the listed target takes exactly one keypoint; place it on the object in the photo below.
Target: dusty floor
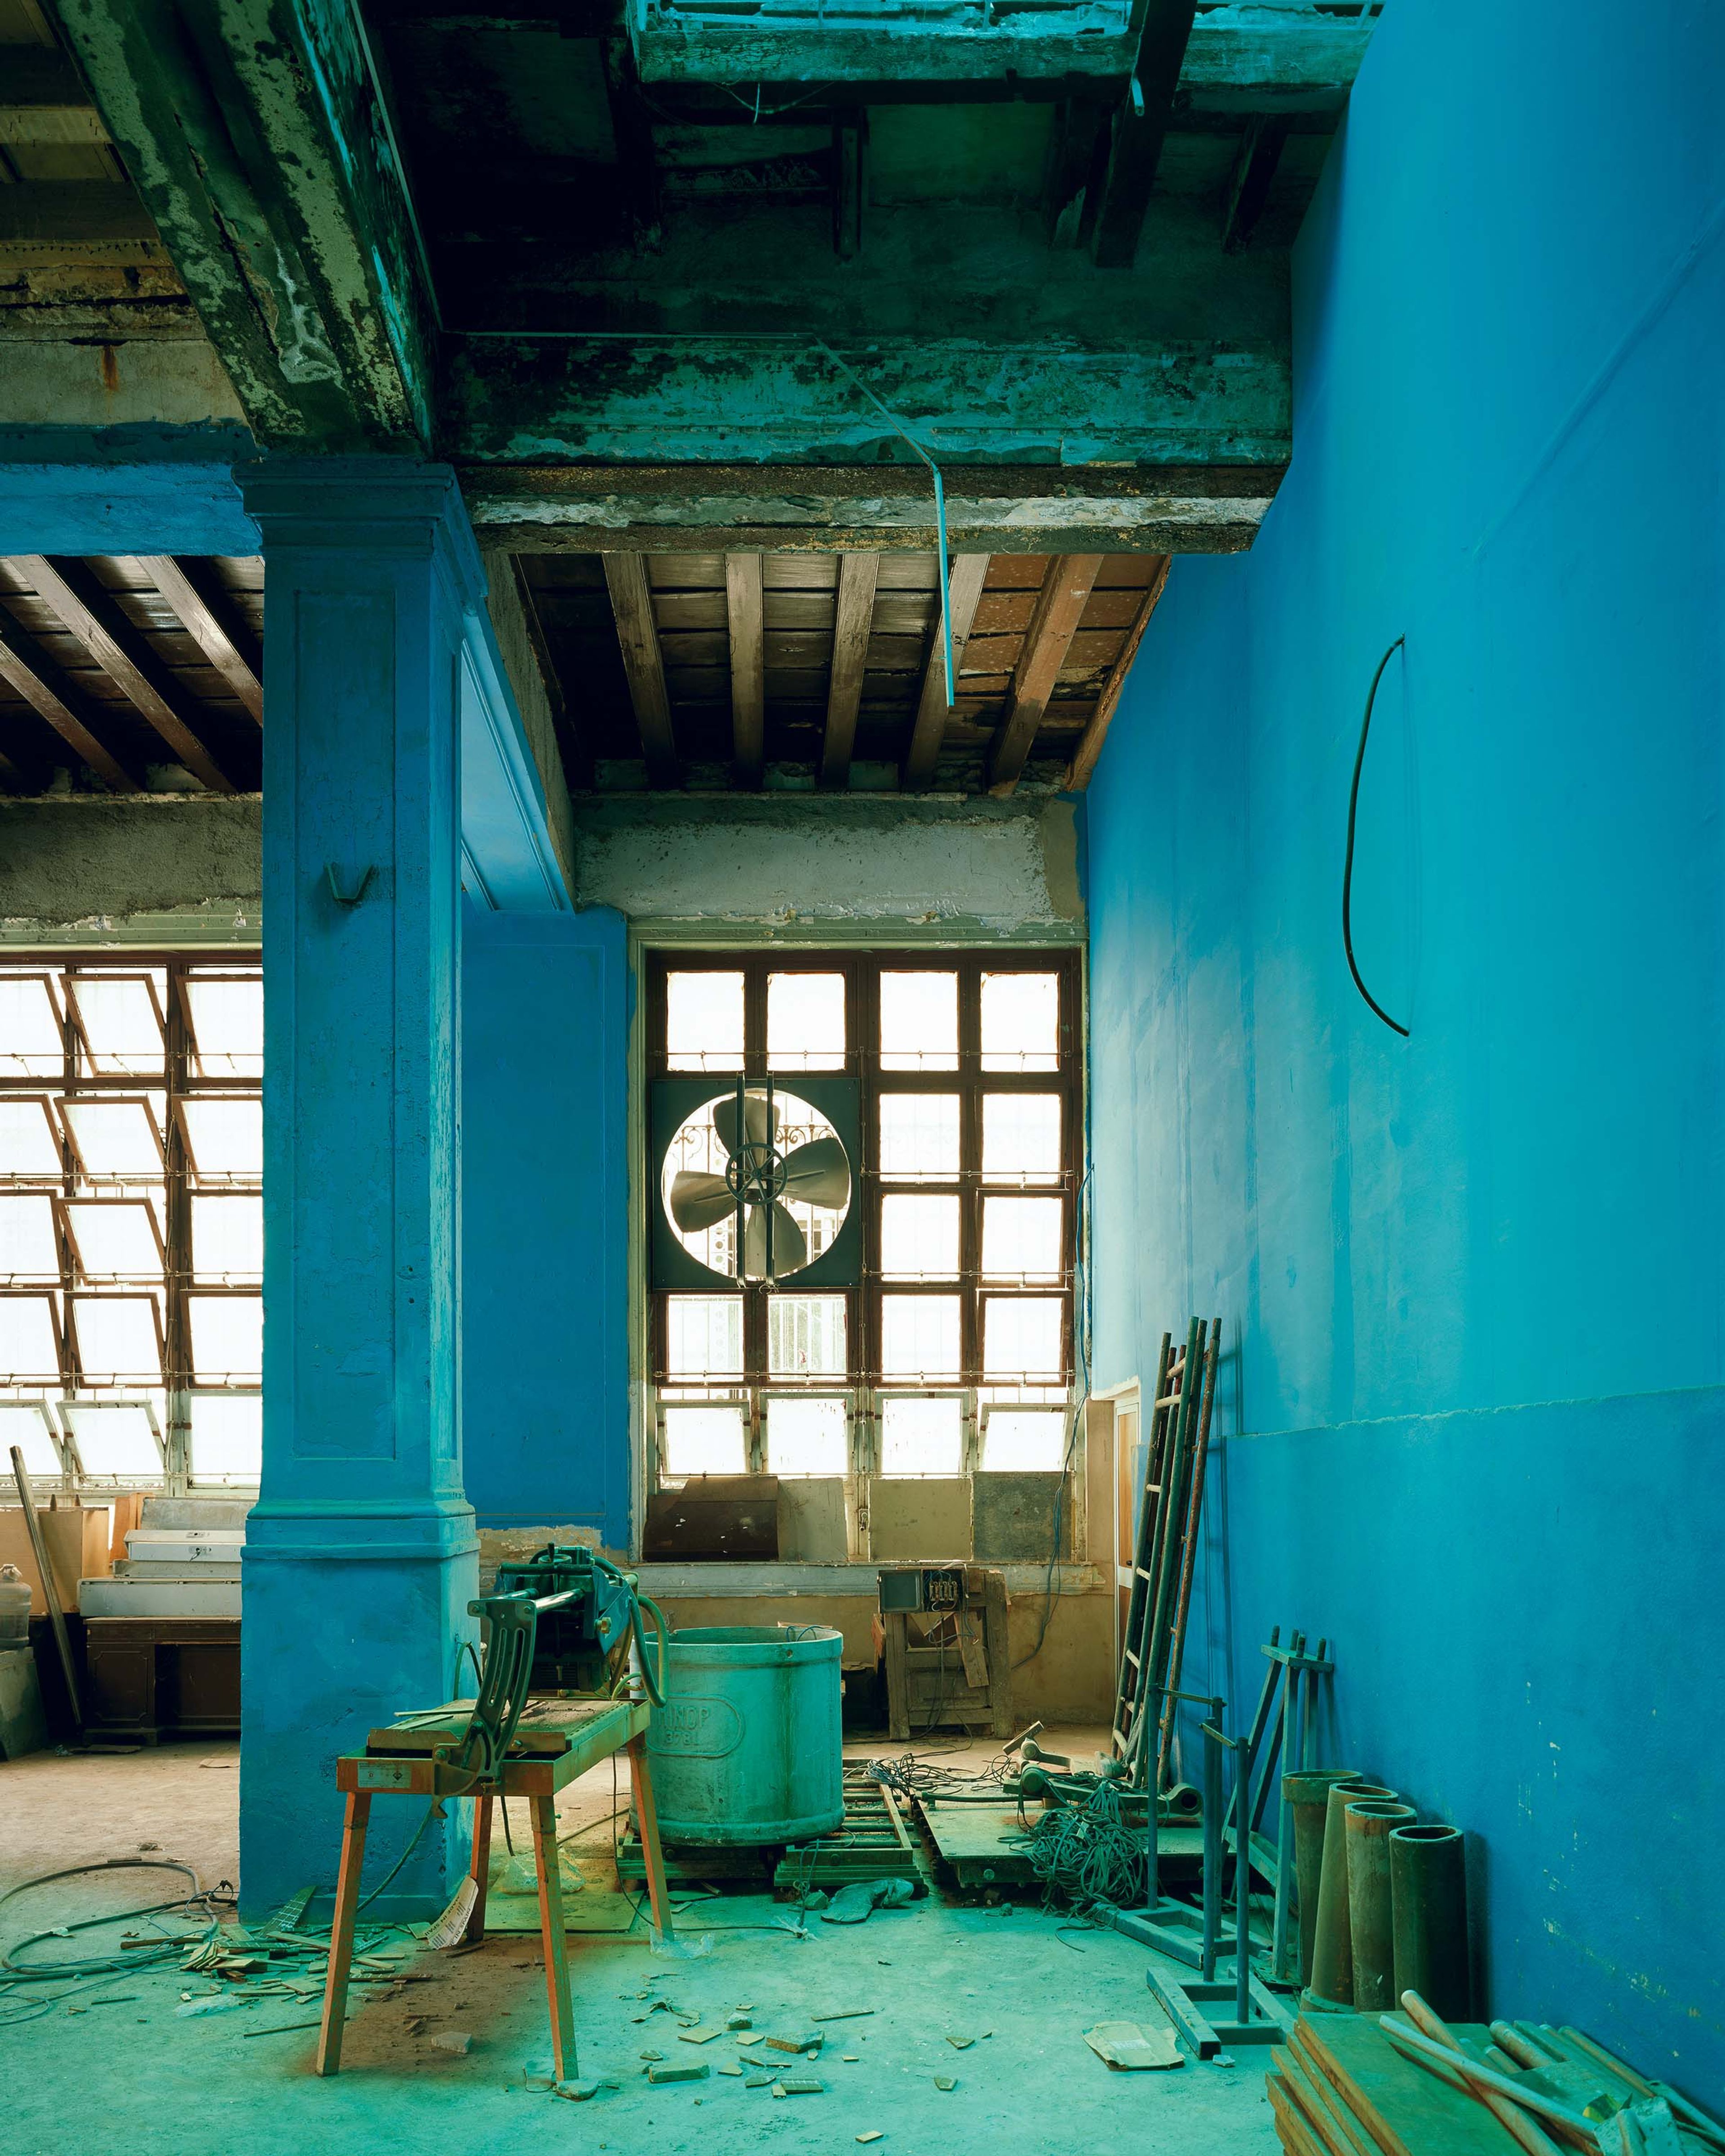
(86, 2076)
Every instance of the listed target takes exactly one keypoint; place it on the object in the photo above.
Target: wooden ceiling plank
(638, 637)
(17, 670)
(1140, 124)
(745, 618)
(1090, 747)
(851, 622)
(122, 669)
(1060, 606)
(200, 623)
(969, 572)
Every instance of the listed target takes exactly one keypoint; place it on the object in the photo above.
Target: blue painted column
(361, 1554)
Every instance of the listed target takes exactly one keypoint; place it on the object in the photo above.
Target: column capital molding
(386, 505)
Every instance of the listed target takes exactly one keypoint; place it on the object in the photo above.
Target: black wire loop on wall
(1347, 866)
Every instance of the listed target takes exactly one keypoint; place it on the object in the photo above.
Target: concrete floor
(84, 2078)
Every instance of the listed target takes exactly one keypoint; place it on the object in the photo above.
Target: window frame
(862, 1378)
(177, 1180)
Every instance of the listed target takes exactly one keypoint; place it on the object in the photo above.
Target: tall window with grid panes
(131, 1231)
(952, 1352)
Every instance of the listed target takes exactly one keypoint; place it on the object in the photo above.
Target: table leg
(557, 1945)
(480, 1870)
(647, 1806)
(335, 1989)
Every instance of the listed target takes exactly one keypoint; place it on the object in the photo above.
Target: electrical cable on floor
(1084, 1853)
(109, 1964)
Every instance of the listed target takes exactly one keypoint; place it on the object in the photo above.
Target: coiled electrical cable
(1347, 866)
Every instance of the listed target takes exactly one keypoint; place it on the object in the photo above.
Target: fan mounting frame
(672, 1269)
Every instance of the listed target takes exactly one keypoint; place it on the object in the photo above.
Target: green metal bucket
(748, 1747)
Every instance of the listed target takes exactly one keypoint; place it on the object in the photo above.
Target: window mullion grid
(754, 1293)
(970, 1168)
(66, 1332)
(177, 1358)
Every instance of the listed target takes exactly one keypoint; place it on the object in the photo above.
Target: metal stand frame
(1259, 2018)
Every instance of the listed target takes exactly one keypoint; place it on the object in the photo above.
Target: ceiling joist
(745, 625)
(964, 590)
(199, 620)
(1090, 745)
(123, 667)
(1059, 606)
(852, 620)
(642, 663)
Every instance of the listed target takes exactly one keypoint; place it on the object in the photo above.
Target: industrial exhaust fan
(756, 1183)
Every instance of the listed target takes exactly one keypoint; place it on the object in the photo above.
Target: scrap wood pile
(1409, 2085)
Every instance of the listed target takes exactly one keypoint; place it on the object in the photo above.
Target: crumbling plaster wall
(846, 863)
(151, 868)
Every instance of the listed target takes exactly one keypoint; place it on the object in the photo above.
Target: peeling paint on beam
(259, 145)
(999, 510)
(698, 400)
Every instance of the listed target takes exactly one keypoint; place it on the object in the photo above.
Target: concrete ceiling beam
(259, 142)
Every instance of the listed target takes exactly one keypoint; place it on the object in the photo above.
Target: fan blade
(699, 1202)
(755, 1122)
(790, 1252)
(819, 1173)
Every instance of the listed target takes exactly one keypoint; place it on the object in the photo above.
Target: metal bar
(1212, 1835)
(1291, 1694)
(1183, 1607)
(1242, 1880)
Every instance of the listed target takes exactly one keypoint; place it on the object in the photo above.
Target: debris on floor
(1133, 2048)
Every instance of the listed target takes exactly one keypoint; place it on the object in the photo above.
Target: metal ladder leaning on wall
(1154, 1643)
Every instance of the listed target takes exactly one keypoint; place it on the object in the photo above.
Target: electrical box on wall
(922, 1590)
(755, 1181)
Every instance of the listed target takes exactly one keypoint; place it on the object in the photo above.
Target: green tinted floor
(1012, 1980)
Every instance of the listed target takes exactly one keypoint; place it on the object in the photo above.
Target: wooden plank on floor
(1406, 2110)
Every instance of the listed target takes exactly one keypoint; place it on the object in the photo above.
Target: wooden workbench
(557, 1740)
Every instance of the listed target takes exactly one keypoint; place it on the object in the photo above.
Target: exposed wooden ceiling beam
(206, 632)
(1059, 604)
(857, 574)
(642, 664)
(1249, 183)
(121, 668)
(746, 617)
(1090, 745)
(1141, 122)
(964, 589)
(18, 670)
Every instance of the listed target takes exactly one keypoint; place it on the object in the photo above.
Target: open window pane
(1023, 1442)
(27, 1250)
(228, 1238)
(919, 1137)
(1021, 1021)
(120, 1016)
(1021, 1337)
(226, 1436)
(115, 1139)
(225, 1139)
(807, 1437)
(919, 1336)
(704, 1021)
(806, 1337)
(919, 1237)
(117, 1437)
(921, 1437)
(704, 1441)
(227, 1338)
(919, 1021)
(1021, 1138)
(115, 1238)
(704, 1335)
(226, 1025)
(25, 1425)
(32, 1045)
(29, 1147)
(1021, 1238)
(30, 1351)
(119, 1339)
(805, 1021)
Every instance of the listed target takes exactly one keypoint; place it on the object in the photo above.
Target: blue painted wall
(545, 1221)
(1471, 1282)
